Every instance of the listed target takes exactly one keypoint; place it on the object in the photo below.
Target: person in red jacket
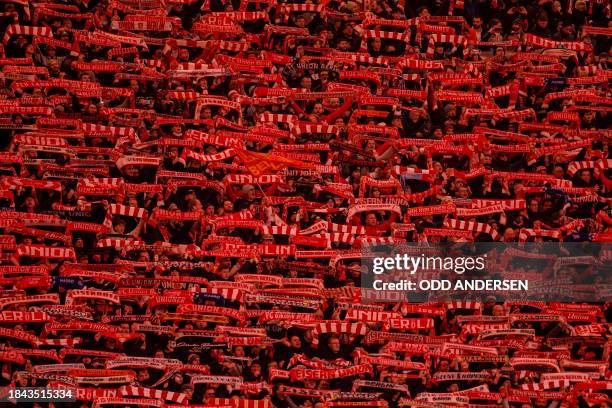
(373, 226)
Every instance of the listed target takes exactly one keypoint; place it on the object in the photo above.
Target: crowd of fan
(187, 187)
